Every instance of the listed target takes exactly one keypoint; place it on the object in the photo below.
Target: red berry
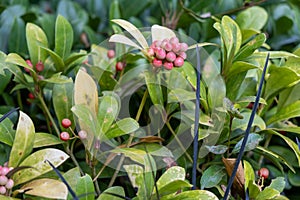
(160, 53)
(82, 134)
(2, 190)
(263, 172)
(119, 66)
(156, 62)
(64, 136)
(168, 65)
(66, 123)
(250, 105)
(178, 61)
(110, 54)
(39, 66)
(31, 96)
(9, 184)
(3, 180)
(171, 56)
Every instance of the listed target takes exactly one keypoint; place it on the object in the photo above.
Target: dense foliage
(101, 99)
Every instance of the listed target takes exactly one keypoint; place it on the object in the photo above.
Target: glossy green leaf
(57, 78)
(216, 92)
(74, 57)
(62, 101)
(45, 139)
(107, 113)
(192, 194)
(238, 67)
(172, 174)
(254, 189)
(267, 193)
(63, 37)
(288, 96)
(122, 127)
(252, 18)
(218, 149)
(294, 178)
(85, 187)
(135, 174)
(248, 99)
(7, 134)
(180, 95)
(133, 31)
(108, 193)
(273, 54)
(58, 61)
(252, 142)
(36, 39)
(212, 176)
(278, 156)
(154, 87)
(17, 41)
(286, 76)
(290, 142)
(242, 123)
(278, 184)
(38, 165)
(290, 111)
(249, 173)
(173, 187)
(48, 188)
(18, 60)
(72, 177)
(24, 140)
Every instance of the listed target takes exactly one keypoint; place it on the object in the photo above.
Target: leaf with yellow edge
(24, 140)
(160, 33)
(118, 38)
(85, 91)
(48, 188)
(133, 31)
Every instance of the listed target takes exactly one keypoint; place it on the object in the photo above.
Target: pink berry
(119, 66)
(160, 53)
(156, 62)
(171, 56)
(3, 180)
(176, 48)
(183, 47)
(82, 134)
(168, 47)
(66, 123)
(29, 64)
(182, 55)
(178, 61)
(164, 42)
(2, 190)
(174, 40)
(150, 52)
(110, 54)
(9, 184)
(4, 171)
(39, 66)
(168, 65)
(157, 43)
(64, 136)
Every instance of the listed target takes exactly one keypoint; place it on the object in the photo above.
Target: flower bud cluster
(5, 182)
(168, 53)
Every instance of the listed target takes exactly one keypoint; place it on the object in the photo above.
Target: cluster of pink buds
(5, 182)
(168, 53)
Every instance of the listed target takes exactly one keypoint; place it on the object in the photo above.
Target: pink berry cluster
(6, 183)
(168, 53)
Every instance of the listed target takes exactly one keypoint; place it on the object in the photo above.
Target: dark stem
(231, 179)
(196, 126)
